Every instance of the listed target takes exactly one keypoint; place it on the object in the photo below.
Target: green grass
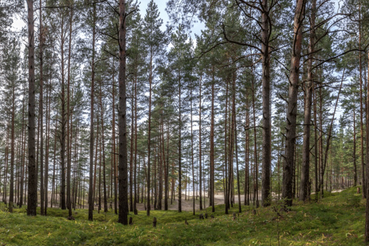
(338, 219)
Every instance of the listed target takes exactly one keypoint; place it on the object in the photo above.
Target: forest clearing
(337, 219)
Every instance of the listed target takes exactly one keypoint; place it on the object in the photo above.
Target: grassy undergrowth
(338, 219)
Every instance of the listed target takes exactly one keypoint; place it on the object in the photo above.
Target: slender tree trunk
(227, 180)
(361, 109)
(91, 191)
(131, 153)
(179, 146)
(53, 192)
(307, 112)
(32, 175)
(247, 155)
(292, 103)
(47, 148)
(200, 164)
(63, 121)
(41, 151)
(69, 150)
(367, 167)
(212, 144)
(123, 189)
(114, 151)
(23, 162)
(192, 162)
(267, 149)
(137, 188)
(354, 150)
(256, 167)
(12, 154)
(103, 151)
(167, 171)
(149, 139)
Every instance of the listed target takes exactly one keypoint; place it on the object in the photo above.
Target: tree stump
(206, 215)
(154, 222)
(130, 220)
(358, 190)
(201, 216)
(186, 222)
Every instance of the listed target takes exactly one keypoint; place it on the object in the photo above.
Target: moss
(337, 219)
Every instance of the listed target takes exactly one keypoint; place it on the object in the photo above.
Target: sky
(196, 29)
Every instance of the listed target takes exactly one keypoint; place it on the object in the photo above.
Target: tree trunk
(292, 103)
(361, 109)
(123, 189)
(200, 164)
(266, 150)
(149, 139)
(91, 191)
(11, 194)
(114, 154)
(192, 161)
(179, 147)
(307, 112)
(69, 151)
(32, 181)
(247, 155)
(212, 144)
(131, 152)
(256, 167)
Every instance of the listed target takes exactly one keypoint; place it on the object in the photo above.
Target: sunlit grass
(338, 219)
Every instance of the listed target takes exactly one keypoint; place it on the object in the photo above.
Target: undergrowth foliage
(337, 219)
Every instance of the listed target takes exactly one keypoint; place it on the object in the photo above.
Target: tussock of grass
(338, 219)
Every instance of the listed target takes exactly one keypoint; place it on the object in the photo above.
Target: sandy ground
(188, 203)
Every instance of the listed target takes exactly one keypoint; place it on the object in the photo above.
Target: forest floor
(337, 219)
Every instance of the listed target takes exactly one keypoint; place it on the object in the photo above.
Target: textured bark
(90, 190)
(200, 164)
(131, 199)
(114, 164)
(247, 155)
(23, 154)
(149, 140)
(12, 154)
(63, 121)
(69, 150)
(53, 191)
(103, 151)
(41, 114)
(32, 181)
(305, 177)
(256, 167)
(137, 187)
(47, 148)
(226, 179)
(179, 146)
(266, 150)
(361, 110)
(367, 168)
(212, 146)
(123, 189)
(292, 103)
(192, 162)
(354, 149)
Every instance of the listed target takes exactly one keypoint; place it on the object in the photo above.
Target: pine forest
(192, 122)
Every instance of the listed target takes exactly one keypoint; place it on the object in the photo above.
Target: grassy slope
(336, 220)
